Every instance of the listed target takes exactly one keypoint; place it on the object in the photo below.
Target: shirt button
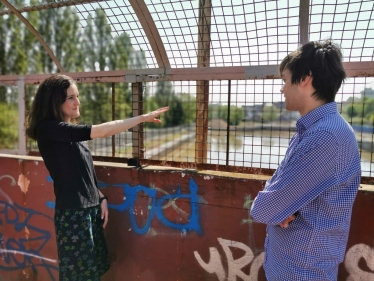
(267, 234)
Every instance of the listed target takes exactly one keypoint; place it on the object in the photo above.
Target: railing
(247, 128)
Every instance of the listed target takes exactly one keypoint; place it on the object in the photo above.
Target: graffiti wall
(164, 224)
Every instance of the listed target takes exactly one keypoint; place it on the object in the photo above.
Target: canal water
(262, 150)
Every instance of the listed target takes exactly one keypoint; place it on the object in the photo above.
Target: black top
(69, 162)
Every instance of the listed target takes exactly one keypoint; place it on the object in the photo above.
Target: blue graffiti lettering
(156, 206)
(9, 249)
(193, 223)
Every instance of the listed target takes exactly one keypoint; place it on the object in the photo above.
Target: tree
(16, 56)
(175, 115)
(270, 113)
(236, 115)
(164, 93)
(96, 98)
(30, 42)
(351, 111)
(189, 108)
(97, 42)
(67, 40)
(119, 56)
(368, 107)
(46, 30)
(217, 111)
(8, 126)
(165, 96)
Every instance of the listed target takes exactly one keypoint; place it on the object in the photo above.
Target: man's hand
(285, 223)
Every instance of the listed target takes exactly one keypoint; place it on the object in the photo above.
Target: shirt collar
(306, 121)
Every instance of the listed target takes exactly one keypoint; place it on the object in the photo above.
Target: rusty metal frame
(138, 130)
(51, 5)
(33, 31)
(353, 69)
(151, 31)
(202, 87)
(304, 22)
(21, 117)
(140, 9)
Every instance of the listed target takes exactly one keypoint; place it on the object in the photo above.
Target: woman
(81, 211)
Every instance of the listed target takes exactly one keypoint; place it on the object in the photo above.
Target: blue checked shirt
(318, 181)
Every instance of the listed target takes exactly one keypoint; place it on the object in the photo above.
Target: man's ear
(306, 80)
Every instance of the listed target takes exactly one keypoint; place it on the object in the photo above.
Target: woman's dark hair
(47, 102)
(323, 61)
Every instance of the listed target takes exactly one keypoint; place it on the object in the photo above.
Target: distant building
(254, 112)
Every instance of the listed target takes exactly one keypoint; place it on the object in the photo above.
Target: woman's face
(70, 108)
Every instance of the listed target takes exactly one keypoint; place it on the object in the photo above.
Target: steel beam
(33, 31)
(202, 85)
(51, 5)
(353, 69)
(151, 31)
(138, 130)
(304, 21)
(21, 117)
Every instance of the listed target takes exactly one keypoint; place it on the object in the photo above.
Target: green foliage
(119, 52)
(359, 111)
(351, 111)
(164, 93)
(270, 113)
(67, 38)
(123, 107)
(189, 108)
(8, 126)
(217, 111)
(16, 56)
(103, 53)
(165, 96)
(31, 43)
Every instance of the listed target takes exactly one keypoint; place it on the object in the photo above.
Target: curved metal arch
(151, 31)
(51, 5)
(33, 31)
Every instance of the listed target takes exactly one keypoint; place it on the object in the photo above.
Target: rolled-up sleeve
(307, 172)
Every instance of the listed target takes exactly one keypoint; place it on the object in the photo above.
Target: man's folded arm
(304, 177)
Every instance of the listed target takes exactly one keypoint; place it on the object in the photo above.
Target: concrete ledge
(363, 187)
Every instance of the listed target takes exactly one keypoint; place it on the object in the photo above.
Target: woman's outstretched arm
(114, 127)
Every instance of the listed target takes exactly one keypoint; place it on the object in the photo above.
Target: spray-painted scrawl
(233, 266)
(15, 251)
(352, 259)
(157, 206)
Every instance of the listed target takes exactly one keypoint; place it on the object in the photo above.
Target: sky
(247, 33)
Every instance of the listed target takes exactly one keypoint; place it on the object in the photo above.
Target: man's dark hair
(323, 61)
(47, 102)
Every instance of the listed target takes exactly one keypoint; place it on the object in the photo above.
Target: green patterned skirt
(82, 252)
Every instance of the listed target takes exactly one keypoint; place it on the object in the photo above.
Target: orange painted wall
(174, 225)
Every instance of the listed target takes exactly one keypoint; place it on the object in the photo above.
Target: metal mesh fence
(9, 119)
(231, 122)
(248, 125)
(349, 22)
(242, 33)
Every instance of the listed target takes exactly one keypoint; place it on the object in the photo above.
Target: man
(307, 204)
